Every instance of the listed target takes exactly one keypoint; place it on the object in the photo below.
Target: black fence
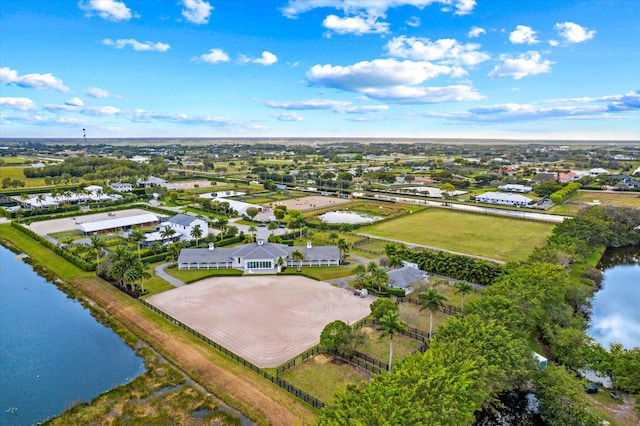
(446, 309)
(309, 399)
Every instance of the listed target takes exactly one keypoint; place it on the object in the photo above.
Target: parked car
(591, 387)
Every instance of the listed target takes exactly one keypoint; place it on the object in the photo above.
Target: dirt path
(240, 392)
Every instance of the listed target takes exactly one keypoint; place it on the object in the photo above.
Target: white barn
(505, 199)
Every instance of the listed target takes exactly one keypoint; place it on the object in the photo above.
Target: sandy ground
(312, 202)
(192, 184)
(267, 319)
(70, 223)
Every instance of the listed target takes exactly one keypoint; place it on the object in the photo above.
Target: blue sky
(543, 69)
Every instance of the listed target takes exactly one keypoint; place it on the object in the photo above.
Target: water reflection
(520, 409)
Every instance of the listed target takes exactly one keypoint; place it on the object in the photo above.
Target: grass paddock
(494, 237)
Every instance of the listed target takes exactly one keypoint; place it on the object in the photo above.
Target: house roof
(118, 222)
(255, 251)
(404, 276)
(502, 196)
(182, 219)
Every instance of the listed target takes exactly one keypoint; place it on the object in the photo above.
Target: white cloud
(553, 43)
(19, 104)
(372, 7)
(447, 51)
(32, 81)
(266, 59)
(287, 116)
(376, 73)
(309, 104)
(75, 102)
(524, 65)
(96, 92)
(101, 110)
(357, 25)
(476, 32)
(112, 10)
(523, 35)
(342, 107)
(573, 33)
(137, 45)
(214, 56)
(196, 11)
(424, 95)
(414, 22)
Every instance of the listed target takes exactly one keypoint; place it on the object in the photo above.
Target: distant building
(153, 181)
(598, 171)
(404, 277)
(260, 257)
(505, 199)
(512, 187)
(121, 187)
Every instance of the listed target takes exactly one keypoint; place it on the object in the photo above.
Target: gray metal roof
(255, 251)
(182, 219)
(318, 253)
(204, 255)
(404, 276)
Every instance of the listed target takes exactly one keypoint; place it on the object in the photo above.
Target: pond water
(615, 316)
(53, 353)
(348, 217)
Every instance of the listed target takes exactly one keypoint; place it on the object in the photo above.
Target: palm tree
(395, 261)
(431, 300)
(390, 324)
(97, 244)
(332, 236)
(299, 256)
(463, 288)
(137, 236)
(361, 273)
(297, 222)
(272, 226)
(379, 277)
(253, 230)
(196, 233)
(323, 227)
(222, 223)
(167, 232)
(343, 248)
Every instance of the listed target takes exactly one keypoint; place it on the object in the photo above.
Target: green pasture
(494, 237)
(322, 376)
(322, 273)
(417, 318)
(378, 346)
(18, 173)
(582, 199)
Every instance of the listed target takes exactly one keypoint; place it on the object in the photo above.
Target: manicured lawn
(190, 276)
(322, 376)
(481, 235)
(322, 273)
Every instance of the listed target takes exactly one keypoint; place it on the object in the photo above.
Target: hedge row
(560, 195)
(230, 240)
(80, 263)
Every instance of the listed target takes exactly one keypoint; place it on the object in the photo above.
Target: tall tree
(272, 226)
(136, 236)
(298, 256)
(343, 248)
(361, 272)
(431, 300)
(98, 245)
(390, 324)
(463, 288)
(167, 232)
(196, 233)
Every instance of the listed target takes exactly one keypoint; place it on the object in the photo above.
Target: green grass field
(378, 346)
(194, 275)
(481, 235)
(18, 173)
(582, 199)
(322, 376)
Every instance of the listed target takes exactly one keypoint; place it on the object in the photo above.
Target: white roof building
(598, 171)
(118, 224)
(512, 187)
(505, 199)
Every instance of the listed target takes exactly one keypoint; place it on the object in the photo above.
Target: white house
(598, 171)
(121, 187)
(512, 187)
(505, 199)
(117, 224)
(260, 257)
(184, 224)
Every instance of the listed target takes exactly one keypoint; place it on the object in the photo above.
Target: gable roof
(404, 276)
(182, 219)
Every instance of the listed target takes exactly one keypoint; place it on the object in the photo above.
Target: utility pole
(86, 148)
